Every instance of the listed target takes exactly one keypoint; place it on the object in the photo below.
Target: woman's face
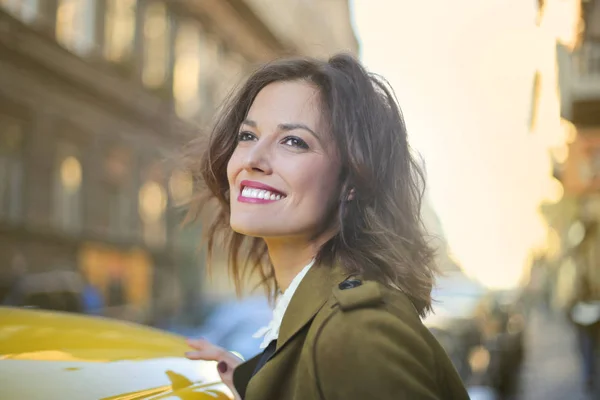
(283, 174)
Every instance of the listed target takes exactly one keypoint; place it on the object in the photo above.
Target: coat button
(349, 284)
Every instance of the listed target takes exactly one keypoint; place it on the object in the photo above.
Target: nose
(258, 159)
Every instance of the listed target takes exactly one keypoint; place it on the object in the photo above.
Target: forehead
(287, 102)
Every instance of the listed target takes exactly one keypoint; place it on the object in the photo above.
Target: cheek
(233, 168)
(321, 181)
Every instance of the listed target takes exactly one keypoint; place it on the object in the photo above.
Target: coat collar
(309, 298)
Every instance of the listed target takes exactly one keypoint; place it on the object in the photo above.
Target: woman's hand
(227, 362)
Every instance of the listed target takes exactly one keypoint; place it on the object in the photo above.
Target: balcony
(579, 83)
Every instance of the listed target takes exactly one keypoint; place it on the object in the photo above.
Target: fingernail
(222, 367)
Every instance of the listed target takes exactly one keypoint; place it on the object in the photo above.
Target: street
(551, 369)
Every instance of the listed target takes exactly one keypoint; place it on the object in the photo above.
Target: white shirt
(271, 331)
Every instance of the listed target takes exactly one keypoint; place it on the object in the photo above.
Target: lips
(257, 192)
(260, 194)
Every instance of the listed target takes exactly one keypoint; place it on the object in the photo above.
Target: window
(230, 71)
(535, 102)
(181, 187)
(594, 155)
(26, 10)
(209, 74)
(118, 191)
(11, 167)
(156, 24)
(186, 84)
(119, 30)
(592, 20)
(75, 25)
(67, 188)
(152, 204)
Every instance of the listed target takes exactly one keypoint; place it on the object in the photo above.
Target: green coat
(363, 342)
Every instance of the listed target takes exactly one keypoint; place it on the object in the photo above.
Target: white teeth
(260, 194)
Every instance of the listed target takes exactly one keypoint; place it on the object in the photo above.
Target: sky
(463, 72)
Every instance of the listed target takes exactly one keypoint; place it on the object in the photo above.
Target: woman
(318, 193)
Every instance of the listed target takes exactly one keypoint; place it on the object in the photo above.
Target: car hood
(59, 355)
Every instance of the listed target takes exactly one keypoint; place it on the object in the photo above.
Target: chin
(253, 229)
(254, 232)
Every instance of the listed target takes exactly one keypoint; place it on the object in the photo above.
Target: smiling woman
(317, 192)
(280, 155)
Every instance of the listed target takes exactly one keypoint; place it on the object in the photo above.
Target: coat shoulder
(353, 294)
(360, 307)
(372, 335)
(369, 340)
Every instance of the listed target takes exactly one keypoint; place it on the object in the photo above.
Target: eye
(246, 136)
(294, 141)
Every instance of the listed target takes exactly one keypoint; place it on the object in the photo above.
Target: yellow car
(52, 355)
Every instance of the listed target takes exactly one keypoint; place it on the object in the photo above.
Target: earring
(351, 195)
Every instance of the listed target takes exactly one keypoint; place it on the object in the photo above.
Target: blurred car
(56, 355)
(454, 320)
(53, 290)
(482, 393)
(232, 324)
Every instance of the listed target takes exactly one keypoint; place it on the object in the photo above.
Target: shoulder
(368, 308)
(373, 336)
(355, 294)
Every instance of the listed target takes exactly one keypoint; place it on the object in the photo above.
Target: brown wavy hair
(380, 234)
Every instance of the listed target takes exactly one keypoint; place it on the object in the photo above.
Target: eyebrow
(286, 127)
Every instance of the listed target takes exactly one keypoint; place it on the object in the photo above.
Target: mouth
(256, 192)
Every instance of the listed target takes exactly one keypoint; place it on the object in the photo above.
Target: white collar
(271, 331)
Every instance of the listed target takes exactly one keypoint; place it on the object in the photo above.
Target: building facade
(567, 105)
(96, 98)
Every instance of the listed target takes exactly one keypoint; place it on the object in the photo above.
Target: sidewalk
(551, 369)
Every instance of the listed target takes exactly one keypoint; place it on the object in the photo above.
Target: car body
(56, 355)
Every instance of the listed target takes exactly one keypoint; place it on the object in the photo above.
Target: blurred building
(567, 106)
(96, 96)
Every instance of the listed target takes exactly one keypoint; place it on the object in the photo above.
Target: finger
(199, 343)
(209, 354)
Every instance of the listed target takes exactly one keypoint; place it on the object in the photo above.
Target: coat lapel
(243, 373)
(311, 295)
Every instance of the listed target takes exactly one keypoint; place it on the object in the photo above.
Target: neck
(289, 258)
